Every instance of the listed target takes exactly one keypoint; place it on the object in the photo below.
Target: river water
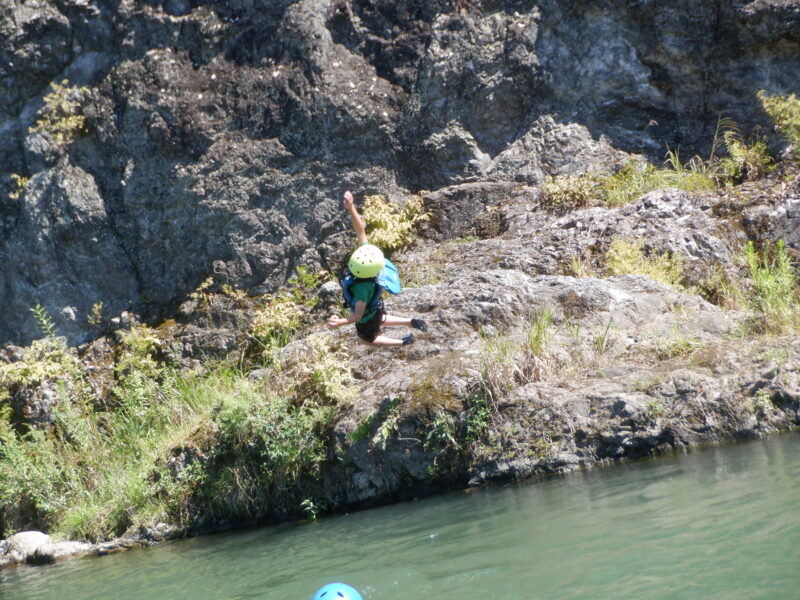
(713, 523)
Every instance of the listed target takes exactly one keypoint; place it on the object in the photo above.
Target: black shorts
(369, 331)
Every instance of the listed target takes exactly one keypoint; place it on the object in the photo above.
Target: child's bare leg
(390, 320)
(393, 320)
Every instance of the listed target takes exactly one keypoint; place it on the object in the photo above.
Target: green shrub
(280, 316)
(46, 325)
(20, 182)
(260, 448)
(624, 258)
(745, 162)
(785, 113)
(389, 226)
(97, 473)
(276, 322)
(48, 358)
(773, 300)
(319, 373)
(60, 116)
(567, 192)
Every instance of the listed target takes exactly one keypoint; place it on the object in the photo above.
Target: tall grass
(774, 300)
(506, 363)
(635, 179)
(742, 161)
(172, 446)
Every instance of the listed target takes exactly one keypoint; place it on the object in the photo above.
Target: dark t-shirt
(362, 291)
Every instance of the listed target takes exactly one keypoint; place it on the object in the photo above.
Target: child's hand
(348, 200)
(334, 322)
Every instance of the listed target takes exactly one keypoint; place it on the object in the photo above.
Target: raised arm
(359, 226)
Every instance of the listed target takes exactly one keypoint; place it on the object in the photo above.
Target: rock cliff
(157, 144)
(218, 134)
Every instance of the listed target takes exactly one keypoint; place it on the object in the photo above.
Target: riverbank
(520, 374)
(703, 522)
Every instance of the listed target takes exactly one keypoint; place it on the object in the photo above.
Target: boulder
(22, 546)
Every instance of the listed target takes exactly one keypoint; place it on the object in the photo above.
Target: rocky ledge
(620, 367)
(195, 157)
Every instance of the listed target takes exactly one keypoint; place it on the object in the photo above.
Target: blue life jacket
(387, 280)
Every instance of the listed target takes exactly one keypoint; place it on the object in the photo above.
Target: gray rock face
(66, 255)
(584, 403)
(220, 135)
(780, 222)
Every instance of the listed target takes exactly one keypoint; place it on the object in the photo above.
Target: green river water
(714, 523)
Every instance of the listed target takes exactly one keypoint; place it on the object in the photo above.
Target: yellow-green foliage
(243, 441)
(304, 284)
(282, 315)
(748, 162)
(46, 325)
(785, 113)
(389, 226)
(20, 182)
(137, 354)
(95, 317)
(567, 192)
(277, 321)
(774, 299)
(60, 116)
(44, 359)
(202, 294)
(636, 178)
(624, 258)
(320, 373)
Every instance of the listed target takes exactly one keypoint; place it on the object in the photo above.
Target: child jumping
(365, 264)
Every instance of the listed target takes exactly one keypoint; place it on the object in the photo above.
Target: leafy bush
(785, 113)
(137, 353)
(282, 315)
(48, 358)
(745, 162)
(319, 373)
(276, 322)
(260, 447)
(20, 182)
(773, 300)
(389, 226)
(567, 192)
(104, 467)
(60, 116)
(624, 258)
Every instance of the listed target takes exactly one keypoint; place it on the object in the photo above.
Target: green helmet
(366, 261)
